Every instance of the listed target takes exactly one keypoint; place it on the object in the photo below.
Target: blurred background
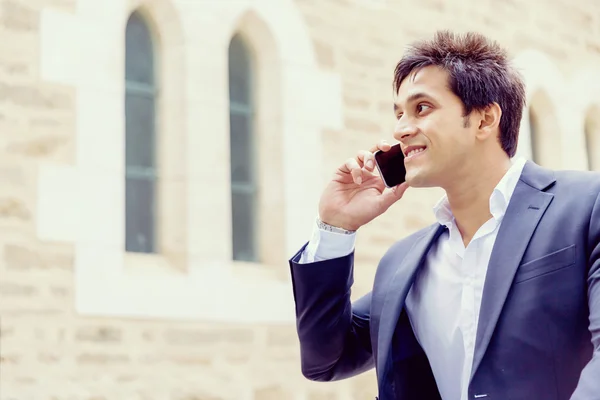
(162, 160)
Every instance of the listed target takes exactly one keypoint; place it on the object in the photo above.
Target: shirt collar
(499, 199)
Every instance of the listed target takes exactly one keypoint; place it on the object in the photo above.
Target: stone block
(43, 146)
(95, 359)
(13, 208)
(23, 257)
(322, 395)
(45, 97)
(325, 54)
(17, 16)
(284, 336)
(272, 393)
(10, 359)
(362, 125)
(6, 331)
(17, 290)
(64, 5)
(49, 358)
(99, 334)
(186, 337)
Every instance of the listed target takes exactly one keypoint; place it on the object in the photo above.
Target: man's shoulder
(572, 190)
(573, 177)
(576, 183)
(542, 177)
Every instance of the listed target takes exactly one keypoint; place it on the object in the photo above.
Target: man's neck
(469, 198)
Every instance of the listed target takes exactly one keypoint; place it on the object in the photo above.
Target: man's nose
(404, 132)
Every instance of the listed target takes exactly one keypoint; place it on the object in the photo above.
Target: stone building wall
(81, 320)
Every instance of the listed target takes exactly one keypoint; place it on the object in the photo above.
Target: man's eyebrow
(413, 97)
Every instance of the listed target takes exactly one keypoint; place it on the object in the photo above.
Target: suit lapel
(527, 205)
(396, 293)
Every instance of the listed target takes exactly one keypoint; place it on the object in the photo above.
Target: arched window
(592, 137)
(244, 188)
(545, 133)
(140, 138)
(533, 134)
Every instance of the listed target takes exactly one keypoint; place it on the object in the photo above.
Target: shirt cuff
(326, 245)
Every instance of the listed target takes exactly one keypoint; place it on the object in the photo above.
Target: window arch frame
(545, 133)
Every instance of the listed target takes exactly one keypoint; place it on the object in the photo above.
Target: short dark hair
(480, 74)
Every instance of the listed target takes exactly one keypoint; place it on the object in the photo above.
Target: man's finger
(366, 159)
(351, 166)
(382, 145)
(389, 197)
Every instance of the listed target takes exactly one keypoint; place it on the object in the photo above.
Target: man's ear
(489, 121)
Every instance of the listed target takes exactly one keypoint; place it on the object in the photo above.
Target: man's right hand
(356, 195)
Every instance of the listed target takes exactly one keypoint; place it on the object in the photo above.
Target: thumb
(391, 196)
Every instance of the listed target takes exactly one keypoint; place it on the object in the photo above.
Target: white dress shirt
(444, 301)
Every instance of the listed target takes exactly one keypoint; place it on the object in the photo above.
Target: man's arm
(589, 381)
(334, 334)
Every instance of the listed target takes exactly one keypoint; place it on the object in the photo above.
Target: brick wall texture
(49, 352)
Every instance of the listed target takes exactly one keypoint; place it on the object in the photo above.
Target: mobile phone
(391, 166)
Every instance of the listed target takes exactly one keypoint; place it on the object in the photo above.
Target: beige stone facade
(80, 319)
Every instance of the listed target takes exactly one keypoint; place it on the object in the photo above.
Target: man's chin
(418, 181)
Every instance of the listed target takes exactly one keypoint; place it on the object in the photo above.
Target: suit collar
(537, 177)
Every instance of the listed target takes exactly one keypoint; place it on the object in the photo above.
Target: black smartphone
(391, 165)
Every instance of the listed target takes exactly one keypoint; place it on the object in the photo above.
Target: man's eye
(422, 107)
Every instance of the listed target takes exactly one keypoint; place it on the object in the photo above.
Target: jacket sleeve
(589, 381)
(334, 333)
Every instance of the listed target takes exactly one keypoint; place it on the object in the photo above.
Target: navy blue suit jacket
(539, 331)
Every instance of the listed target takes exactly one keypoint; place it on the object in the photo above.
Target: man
(500, 298)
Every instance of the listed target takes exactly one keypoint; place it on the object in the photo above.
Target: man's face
(431, 129)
